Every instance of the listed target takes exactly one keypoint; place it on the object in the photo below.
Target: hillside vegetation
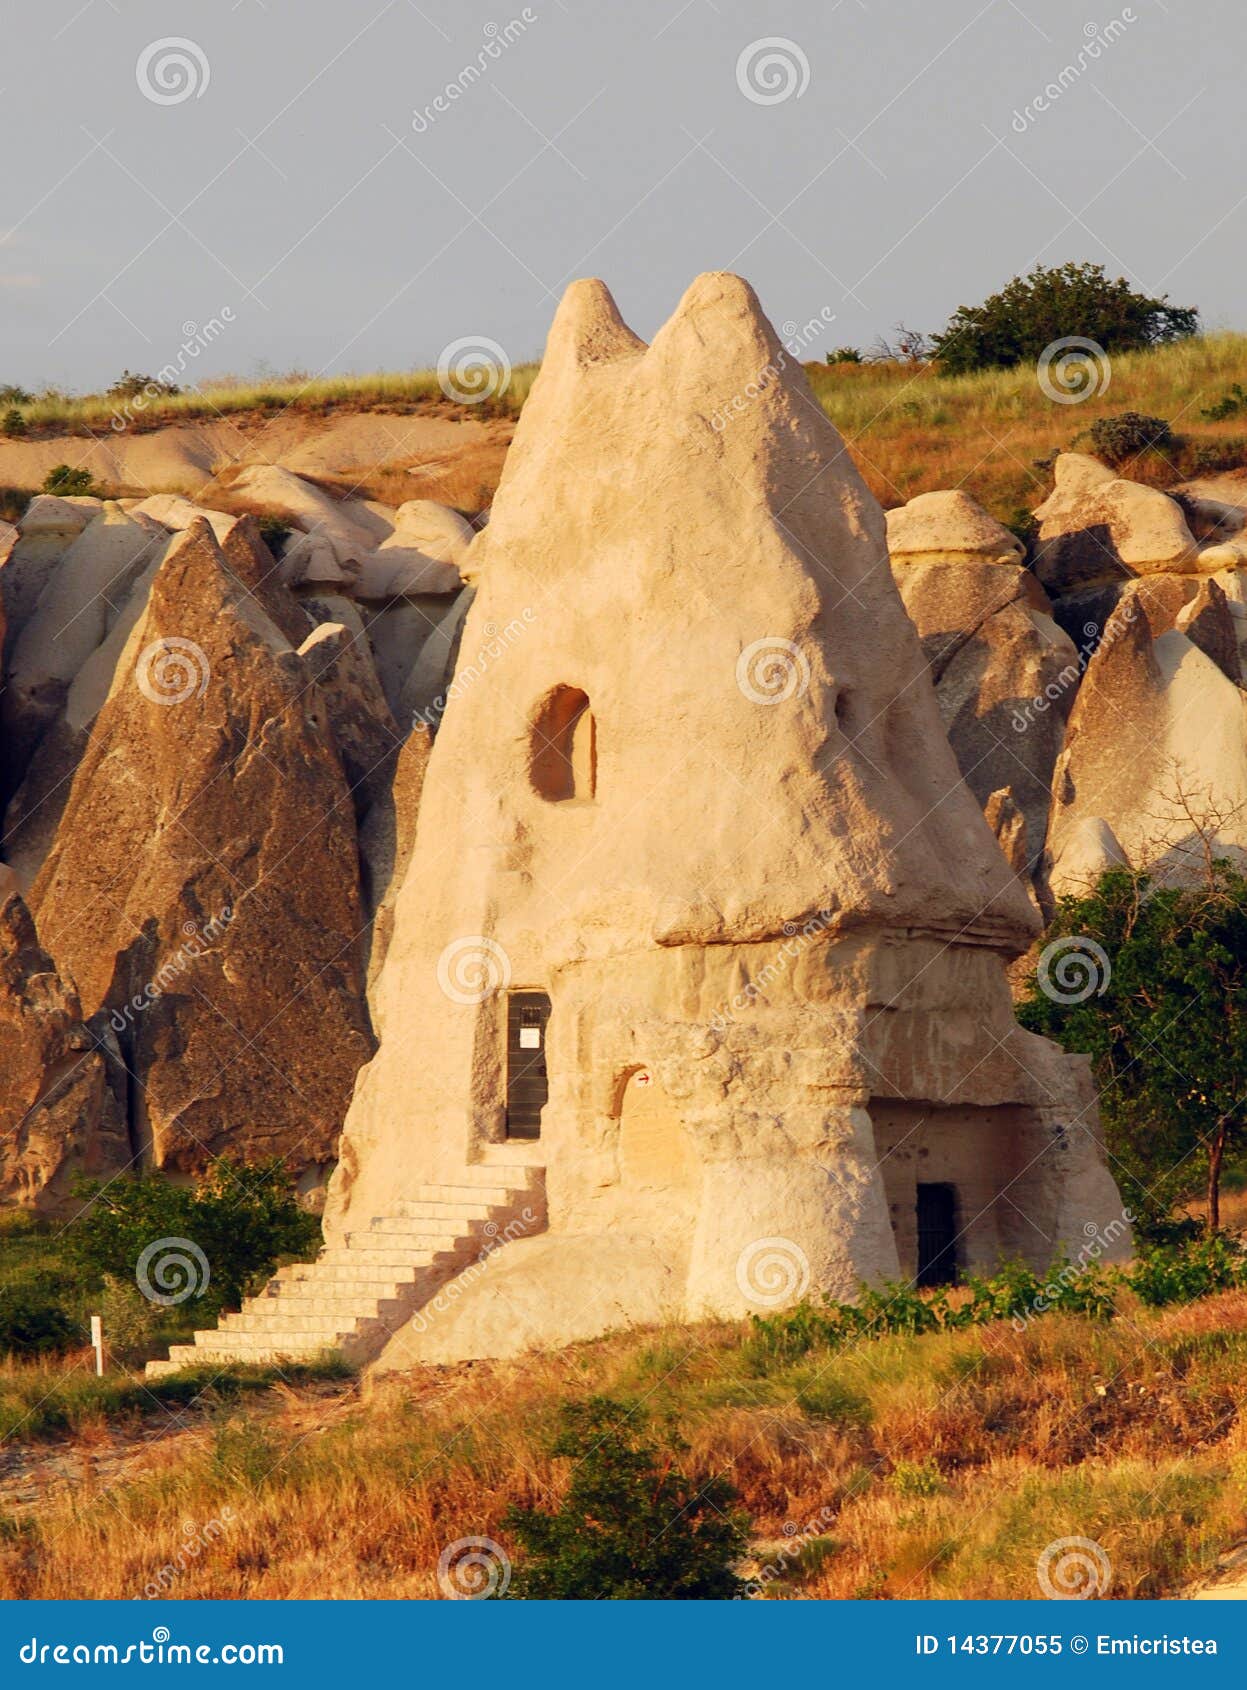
(909, 428)
(931, 1466)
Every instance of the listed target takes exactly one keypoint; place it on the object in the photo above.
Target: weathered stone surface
(1005, 677)
(702, 799)
(1206, 621)
(1094, 530)
(423, 554)
(1155, 752)
(387, 836)
(339, 656)
(74, 613)
(203, 887)
(949, 527)
(58, 1113)
(1009, 825)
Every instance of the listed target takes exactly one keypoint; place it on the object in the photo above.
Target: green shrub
(14, 424)
(1019, 323)
(1231, 404)
(274, 532)
(1127, 435)
(130, 386)
(10, 394)
(1182, 1273)
(69, 482)
(631, 1526)
(1210, 457)
(845, 355)
(242, 1220)
(34, 1322)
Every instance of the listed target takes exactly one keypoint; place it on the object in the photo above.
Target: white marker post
(97, 1342)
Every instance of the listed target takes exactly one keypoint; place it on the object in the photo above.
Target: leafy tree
(68, 482)
(1165, 1023)
(11, 394)
(1015, 325)
(632, 1525)
(241, 1219)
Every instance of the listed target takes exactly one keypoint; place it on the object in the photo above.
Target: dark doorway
(528, 1084)
(937, 1235)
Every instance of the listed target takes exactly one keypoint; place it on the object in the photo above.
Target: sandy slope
(184, 458)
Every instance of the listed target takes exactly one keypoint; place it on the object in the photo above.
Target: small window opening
(564, 756)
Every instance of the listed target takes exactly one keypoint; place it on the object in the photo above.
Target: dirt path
(35, 1475)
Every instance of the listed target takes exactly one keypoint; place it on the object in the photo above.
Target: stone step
(357, 1307)
(332, 1324)
(403, 1246)
(318, 1290)
(406, 1226)
(491, 1194)
(283, 1340)
(517, 1177)
(387, 1253)
(352, 1272)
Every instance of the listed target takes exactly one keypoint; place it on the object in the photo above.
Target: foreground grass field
(902, 1467)
(908, 428)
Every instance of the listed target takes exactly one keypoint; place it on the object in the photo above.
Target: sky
(337, 188)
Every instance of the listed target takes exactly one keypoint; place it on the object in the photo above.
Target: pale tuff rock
(338, 655)
(423, 555)
(203, 891)
(703, 800)
(177, 514)
(1088, 848)
(1005, 675)
(387, 835)
(424, 690)
(350, 528)
(1009, 825)
(58, 1113)
(1096, 527)
(949, 527)
(1156, 746)
(1208, 623)
(73, 614)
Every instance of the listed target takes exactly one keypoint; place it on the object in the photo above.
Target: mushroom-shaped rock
(949, 527)
(1094, 529)
(1089, 848)
(423, 555)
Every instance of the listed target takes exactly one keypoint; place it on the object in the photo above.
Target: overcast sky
(883, 159)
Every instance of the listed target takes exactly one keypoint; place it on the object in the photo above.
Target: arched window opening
(564, 752)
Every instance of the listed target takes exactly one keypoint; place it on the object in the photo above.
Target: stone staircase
(355, 1295)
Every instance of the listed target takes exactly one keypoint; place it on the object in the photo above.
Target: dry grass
(937, 1466)
(909, 430)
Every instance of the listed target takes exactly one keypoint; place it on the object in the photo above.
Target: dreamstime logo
(525, 1222)
(1073, 369)
(197, 338)
(1073, 969)
(172, 70)
(771, 1271)
(473, 369)
(473, 969)
(472, 1569)
(1098, 1240)
(772, 70)
(179, 1268)
(197, 942)
(197, 1539)
(798, 337)
(1095, 41)
(172, 670)
(1072, 1569)
(496, 642)
(497, 40)
(1095, 638)
(772, 671)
